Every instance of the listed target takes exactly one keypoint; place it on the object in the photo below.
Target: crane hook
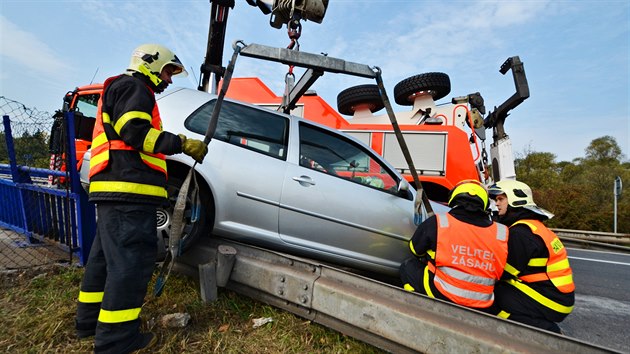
(294, 30)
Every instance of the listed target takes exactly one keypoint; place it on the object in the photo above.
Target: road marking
(599, 260)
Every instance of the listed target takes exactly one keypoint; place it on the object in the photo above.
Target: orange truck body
(460, 156)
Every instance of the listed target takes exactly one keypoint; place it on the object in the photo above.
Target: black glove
(194, 148)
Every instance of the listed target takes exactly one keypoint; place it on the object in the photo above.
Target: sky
(576, 54)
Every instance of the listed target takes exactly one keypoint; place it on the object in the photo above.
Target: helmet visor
(178, 68)
(494, 191)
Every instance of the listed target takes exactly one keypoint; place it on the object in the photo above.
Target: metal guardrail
(607, 237)
(385, 316)
(595, 239)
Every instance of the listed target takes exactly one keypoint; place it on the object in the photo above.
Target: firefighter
(458, 256)
(537, 287)
(127, 183)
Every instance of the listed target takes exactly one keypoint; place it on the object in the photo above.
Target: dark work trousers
(411, 272)
(524, 309)
(120, 265)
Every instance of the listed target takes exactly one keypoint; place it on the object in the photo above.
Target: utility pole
(617, 186)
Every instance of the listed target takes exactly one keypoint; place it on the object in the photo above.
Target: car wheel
(438, 84)
(349, 98)
(192, 229)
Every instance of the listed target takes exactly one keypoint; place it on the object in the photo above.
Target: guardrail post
(226, 256)
(208, 281)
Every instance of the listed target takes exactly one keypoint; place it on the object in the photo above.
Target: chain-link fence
(30, 220)
(31, 133)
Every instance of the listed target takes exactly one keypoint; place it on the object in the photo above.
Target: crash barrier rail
(382, 315)
(34, 215)
(595, 239)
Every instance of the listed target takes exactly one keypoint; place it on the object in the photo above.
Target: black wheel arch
(177, 172)
(180, 170)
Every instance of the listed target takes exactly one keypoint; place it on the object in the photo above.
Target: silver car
(288, 184)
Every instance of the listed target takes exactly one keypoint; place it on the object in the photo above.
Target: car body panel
(335, 215)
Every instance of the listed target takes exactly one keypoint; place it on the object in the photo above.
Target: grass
(37, 309)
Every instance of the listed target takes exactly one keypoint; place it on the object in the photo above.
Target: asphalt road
(602, 302)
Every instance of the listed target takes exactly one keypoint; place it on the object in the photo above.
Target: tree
(4, 153)
(580, 192)
(538, 168)
(604, 150)
(32, 149)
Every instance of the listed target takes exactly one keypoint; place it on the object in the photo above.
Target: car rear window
(250, 128)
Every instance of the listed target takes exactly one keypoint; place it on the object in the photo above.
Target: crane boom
(281, 11)
(212, 64)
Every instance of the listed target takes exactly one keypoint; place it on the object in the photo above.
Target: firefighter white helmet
(150, 59)
(518, 195)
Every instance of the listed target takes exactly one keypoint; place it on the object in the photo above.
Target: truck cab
(83, 101)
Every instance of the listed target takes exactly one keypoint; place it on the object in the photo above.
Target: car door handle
(304, 180)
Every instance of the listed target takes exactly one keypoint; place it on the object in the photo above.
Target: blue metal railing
(39, 211)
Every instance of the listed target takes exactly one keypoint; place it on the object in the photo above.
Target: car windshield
(87, 104)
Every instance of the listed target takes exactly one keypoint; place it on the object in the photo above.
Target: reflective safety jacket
(555, 268)
(119, 172)
(468, 260)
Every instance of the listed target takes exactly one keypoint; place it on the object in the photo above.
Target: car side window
(327, 152)
(254, 129)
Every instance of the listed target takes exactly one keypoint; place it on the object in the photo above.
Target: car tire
(361, 94)
(192, 230)
(439, 84)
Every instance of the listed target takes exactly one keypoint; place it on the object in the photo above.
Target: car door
(245, 167)
(341, 201)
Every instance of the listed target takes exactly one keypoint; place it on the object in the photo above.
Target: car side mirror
(403, 189)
